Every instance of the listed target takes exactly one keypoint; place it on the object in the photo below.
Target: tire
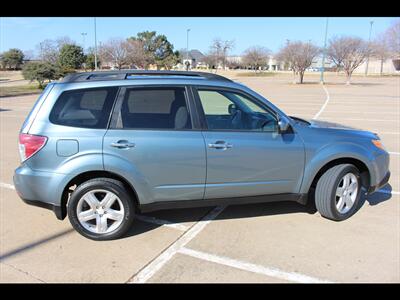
(326, 199)
(109, 222)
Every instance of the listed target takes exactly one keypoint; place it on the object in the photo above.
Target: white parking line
(7, 186)
(242, 265)
(394, 153)
(325, 104)
(148, 271)
(165, 223)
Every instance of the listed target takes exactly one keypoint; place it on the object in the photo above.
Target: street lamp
(369, 45)
(187, 49)
(95, 45)
(324, 53)
(83, 37)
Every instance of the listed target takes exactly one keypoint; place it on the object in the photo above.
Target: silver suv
(102, 146)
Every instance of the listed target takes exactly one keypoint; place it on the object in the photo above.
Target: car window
(232, 111)
(87, 108)
(154, 108)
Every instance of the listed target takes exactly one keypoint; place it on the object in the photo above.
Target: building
(388, 66)
(195, 59)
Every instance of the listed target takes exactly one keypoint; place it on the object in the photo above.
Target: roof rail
(125, 74)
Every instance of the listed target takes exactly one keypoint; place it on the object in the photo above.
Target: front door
(246, 156)
(152, 141)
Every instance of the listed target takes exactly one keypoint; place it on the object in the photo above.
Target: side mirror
(284, 125)
(232, 109)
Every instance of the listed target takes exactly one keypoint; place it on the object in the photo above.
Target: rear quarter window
(86, 108)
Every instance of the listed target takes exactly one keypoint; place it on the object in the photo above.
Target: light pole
(95, 45)
(83, 37)
(369, 45)
(324, 53)
(187, 49)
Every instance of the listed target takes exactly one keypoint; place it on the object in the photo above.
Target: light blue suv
(102, 146)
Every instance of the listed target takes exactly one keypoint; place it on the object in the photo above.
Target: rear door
(153, 138)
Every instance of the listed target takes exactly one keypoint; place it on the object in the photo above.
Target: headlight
(378, 144)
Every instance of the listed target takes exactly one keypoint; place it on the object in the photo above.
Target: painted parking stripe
(7, 186)
(325, 104)
(164, 223)
(250, 267)
(394, 153)
(148, 271)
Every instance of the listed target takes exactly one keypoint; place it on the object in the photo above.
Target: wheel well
(79, 179)
(362, 168)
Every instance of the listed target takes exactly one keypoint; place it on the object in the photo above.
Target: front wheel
(338, 192)
(101, 209)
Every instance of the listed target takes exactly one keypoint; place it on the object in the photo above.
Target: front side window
(86, 108)
(154, 108)
(232, 111)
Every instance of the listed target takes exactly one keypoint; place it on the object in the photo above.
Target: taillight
(29, 144)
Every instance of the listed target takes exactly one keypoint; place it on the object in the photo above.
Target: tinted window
(88, 108)
(155, 108)
(231, 111)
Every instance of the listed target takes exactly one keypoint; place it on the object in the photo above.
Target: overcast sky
(25, 33)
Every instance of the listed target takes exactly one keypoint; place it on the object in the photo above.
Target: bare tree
(219, 51)
(392, 37)
(49, 49)
(136, 54)
(115, 51)
(256, 57)
(380, 50)
(353, 52)
(299, 56)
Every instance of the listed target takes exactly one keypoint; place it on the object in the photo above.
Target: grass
(9, 91)
(256, 74)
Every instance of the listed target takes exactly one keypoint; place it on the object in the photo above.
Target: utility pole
(187, 49)
(95, 45)
(83, 36)
(324, 53)
(369, 45)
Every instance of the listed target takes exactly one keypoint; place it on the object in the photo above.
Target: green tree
(90, 62)
(71, 56)
(159, 51)
(12, 58)
(40, 71)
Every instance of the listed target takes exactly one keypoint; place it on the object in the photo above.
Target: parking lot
(271, 242)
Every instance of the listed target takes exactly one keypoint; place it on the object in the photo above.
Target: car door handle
(220, 145)
(122, 145)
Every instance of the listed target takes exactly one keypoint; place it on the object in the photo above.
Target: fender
(331, 152)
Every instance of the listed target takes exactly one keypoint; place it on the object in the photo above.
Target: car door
(246, 155)
(153, 140)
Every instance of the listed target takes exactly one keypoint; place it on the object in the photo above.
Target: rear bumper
(42, 189)
(58, 211)
(382, 183)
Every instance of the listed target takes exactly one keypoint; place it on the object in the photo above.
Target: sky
(25, 33)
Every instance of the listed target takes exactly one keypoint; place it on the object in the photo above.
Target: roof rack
(134, 74)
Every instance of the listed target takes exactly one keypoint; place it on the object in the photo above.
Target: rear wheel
(338, 191)
(101, 209)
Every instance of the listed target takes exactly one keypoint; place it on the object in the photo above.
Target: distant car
(102, 146)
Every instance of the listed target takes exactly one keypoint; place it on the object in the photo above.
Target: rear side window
(87, 108)
(154, 108)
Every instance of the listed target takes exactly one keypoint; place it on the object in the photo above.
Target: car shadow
(378, 197)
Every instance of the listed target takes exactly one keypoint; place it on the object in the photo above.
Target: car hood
(318, 124)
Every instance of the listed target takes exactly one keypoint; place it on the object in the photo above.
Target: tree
(351, 52)
(40, 71)
(157, 49)
(299, 55)
(392, 37)
(380, 50)
(12, 58)
(137, 55)
(115, 51)
(256, 57)
(49, 50)
(71, 56)
(219, 51)
(90, 60)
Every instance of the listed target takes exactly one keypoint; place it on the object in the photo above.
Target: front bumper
(382, 183)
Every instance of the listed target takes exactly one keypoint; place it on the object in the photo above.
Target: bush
(40, 71)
